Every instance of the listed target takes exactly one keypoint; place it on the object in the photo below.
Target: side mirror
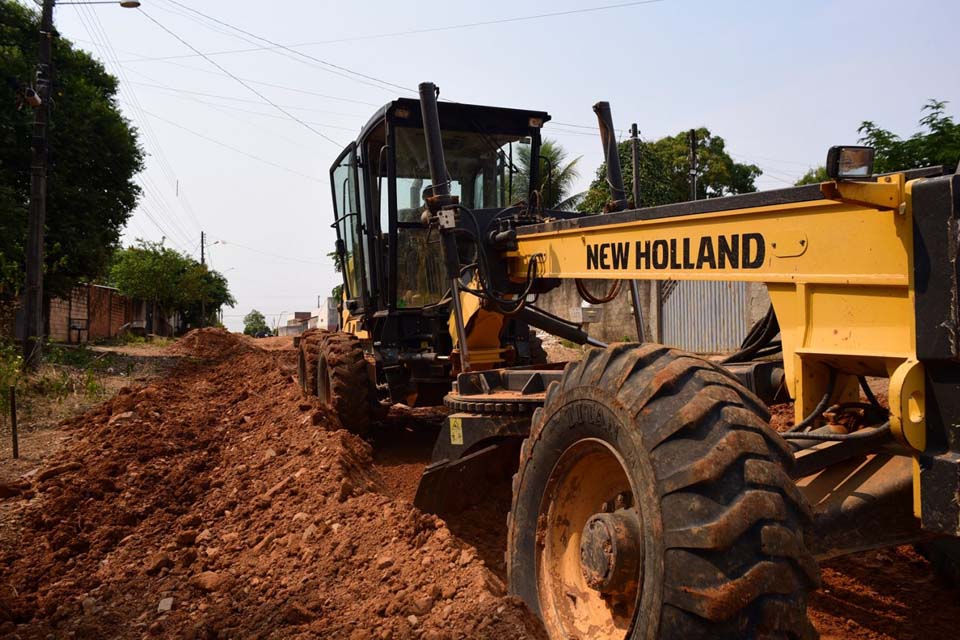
(850, 163)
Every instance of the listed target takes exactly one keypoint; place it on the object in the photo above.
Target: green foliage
(664, 172)
(813, 176)
(254, 323)
(11, 366)
(94, 155)
(556, 176)
(938, 143)
(174, 281)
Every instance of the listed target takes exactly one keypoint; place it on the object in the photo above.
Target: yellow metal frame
(839, 272)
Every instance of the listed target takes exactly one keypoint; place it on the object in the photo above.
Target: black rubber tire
(724, 525)
(307, 361)
(341, 366)
(944, 555)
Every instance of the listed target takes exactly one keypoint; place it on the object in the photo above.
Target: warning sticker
(456, 431)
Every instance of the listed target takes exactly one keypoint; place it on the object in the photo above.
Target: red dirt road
(217, 503)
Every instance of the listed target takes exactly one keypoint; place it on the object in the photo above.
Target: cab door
(349, 225)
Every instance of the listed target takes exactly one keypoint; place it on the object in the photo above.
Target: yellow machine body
(839, 272)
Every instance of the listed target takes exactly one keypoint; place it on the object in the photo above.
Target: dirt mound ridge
(218, 503)
(210, 344)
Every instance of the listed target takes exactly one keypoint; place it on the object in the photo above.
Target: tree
(557, 176)
(665, 167)
(813, 176)
(172, 281)
(94, 155)
(938, 143)
(254, 323)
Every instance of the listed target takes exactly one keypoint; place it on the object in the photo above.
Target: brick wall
(90, 312)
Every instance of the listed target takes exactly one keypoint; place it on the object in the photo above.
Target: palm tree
(556, 176)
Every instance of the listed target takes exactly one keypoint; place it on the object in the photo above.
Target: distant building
(326, 318)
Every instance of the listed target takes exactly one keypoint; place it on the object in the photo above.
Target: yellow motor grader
(651, 497)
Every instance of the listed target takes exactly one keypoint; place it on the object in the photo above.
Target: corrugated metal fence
(705, 317)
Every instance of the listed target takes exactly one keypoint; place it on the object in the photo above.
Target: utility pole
(693, 164)
(203, 295)
(33, 291)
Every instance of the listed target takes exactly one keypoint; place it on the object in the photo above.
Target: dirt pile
(219, 504)
(209, 344)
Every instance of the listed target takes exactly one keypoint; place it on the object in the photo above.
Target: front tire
(307, 356)
(652, 501)
(342, 382)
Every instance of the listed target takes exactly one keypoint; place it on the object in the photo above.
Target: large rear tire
(342, 382)
(652, 501)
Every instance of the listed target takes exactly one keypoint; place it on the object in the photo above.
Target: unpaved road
(216, 503)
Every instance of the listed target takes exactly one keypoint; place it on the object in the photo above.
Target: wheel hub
(611, 550)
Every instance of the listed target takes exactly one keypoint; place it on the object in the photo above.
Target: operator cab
(388, 257)
(395, 292)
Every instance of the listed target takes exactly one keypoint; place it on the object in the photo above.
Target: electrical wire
(267, 253)
(101, 39)
(159, 85)
(327, 65)
(422, 30)
(232, 148)
(236, 78)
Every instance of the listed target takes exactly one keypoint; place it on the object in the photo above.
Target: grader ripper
(651, 498)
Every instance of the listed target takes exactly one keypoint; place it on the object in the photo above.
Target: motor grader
(651, 497)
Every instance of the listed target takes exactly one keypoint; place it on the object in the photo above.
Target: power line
(143, 180)
(272, 255)
(232, 148)
(330, 65)
(101, 40)
(143, 58)
(250, 88)
(225, 108)
(159, 85)
(419, 31)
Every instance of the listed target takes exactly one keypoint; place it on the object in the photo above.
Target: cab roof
(456, 116)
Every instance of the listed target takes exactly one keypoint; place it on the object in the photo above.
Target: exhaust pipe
(438, 200)
(611, 155)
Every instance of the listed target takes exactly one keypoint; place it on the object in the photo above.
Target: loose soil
(218, 503)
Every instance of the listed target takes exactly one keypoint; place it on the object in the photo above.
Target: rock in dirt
(11, 490)
(165, 604)
(53, 472)
(157, 562)
(186, 538)
(296, 614)
(208, 581)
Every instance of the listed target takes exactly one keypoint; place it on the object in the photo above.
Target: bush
(11, 364)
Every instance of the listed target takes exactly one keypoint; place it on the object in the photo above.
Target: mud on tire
(342, 382)
(307, 355)
(722, 526)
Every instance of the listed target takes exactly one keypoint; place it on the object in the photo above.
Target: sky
(780, 81)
